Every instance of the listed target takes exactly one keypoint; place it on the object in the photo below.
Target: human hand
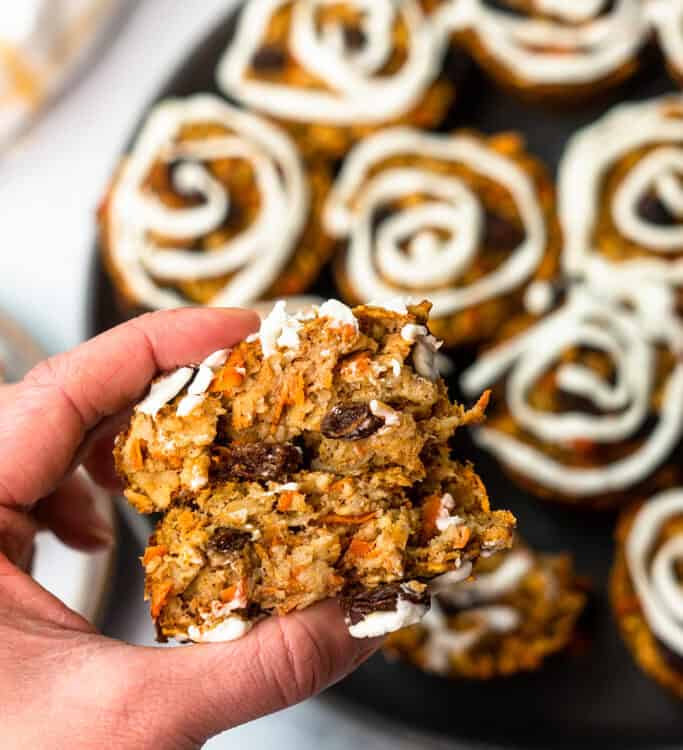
(65, 685)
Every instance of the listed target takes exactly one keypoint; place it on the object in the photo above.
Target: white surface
(80, 580)
(60, 170)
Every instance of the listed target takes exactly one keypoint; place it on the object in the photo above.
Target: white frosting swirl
(667, 17)
(652, 570)
(592, 152)
(405, 250)
(576, 44)
(629, 338)
(356, 90)
(256, 256)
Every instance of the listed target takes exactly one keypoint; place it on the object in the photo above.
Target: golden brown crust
(310, 252)
(564, 94)
(479, 323)
(317, 140)
(548, 601)
(634, 628)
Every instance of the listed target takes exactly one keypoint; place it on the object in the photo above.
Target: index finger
(45, 417)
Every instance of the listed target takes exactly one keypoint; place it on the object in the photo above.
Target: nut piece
(255, 461)
(226, 540)
(350, 421)
(361, 603)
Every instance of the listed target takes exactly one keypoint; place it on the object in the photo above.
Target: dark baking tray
(592, 697)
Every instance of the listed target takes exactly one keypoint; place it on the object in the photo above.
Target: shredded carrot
(360, 548)
(477, 413)
(290, 498)
(236, 591)
(279, 407)
(431, 508)
(136, 459)
(226, 380)
(348, 520)
(159, 597)
(151, 553)
(297, 390)
(357, 364)
(463, 535)
(229, 376)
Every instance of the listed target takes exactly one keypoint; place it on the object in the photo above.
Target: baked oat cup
(620, 194)
(465, 219)
(189, 216)
(556, 51)
(587, 396)
(518, 608)
(646, 586)
(331, 73)
(310, 461)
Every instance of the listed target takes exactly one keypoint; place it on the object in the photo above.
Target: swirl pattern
(603, 442)
(433, 244)
(352, 67)
(577, 42)
(652, 567)
(621, 185)
(480, 601)
(247, 263)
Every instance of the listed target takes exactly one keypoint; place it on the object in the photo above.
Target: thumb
(207, 688)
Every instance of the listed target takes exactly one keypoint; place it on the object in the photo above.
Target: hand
(64, 685)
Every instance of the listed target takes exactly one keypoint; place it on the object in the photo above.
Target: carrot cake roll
(518, 608)
(551, 50)
(587, 397)
(620, 193)
(331, 72)
(190, 215)
(647, 586)
(465, 219)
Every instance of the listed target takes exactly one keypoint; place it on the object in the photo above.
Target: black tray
(594, 698)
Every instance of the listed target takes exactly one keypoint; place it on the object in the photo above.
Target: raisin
(269, 59)
(350, 421)
(359, 604)
(501, 234)
(653, 210)
(255, 461)
(225, 539)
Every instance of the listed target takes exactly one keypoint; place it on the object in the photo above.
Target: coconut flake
(339, 313)
(164, 390)
(380, 623)
(279, 329)
(229, 629)
(411, 331)
(384, 412)
(217, 359)
(189, 403)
